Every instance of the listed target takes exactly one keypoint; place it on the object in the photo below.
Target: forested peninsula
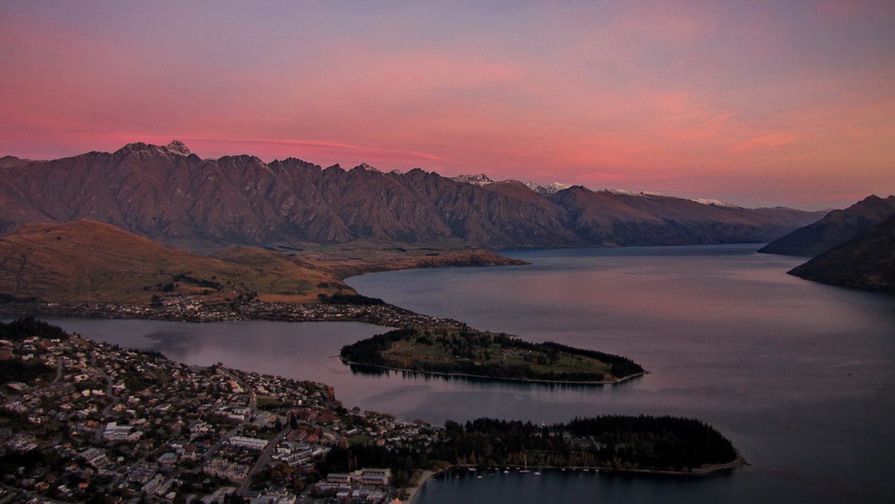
(665, 444)
(464, 351)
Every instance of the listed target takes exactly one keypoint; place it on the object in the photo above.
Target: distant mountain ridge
(482, 180)
(866, 262)
(169, 194)
(835, 228)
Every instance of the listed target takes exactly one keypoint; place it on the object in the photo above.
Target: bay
(798, 375)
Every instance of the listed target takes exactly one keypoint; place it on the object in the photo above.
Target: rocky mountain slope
(866, 262)
(835, 228)
(169, 194)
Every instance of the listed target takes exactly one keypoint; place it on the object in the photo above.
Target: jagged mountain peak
(479, 180)
(484, 180)
(240, 199)
(294, 162)
(135, 147)
(531, 185)
(176, 147)
(366, 167)
(549, 189)
(12, 161)
(555, 187)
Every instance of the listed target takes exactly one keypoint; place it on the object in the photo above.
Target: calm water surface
(797, 374)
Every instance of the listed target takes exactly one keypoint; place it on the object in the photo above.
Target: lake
(798, 375)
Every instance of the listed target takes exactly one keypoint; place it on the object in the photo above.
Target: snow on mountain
(178, 147)
(366, 167)
(552, 188)
(623, 192)
(292, 201)
(483, 180)
(555, 187)
(534, 187)
(714, 202)
(479, 180)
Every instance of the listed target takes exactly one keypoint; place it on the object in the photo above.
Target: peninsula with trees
(458, 350)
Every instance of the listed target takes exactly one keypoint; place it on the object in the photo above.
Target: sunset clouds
(754, 102)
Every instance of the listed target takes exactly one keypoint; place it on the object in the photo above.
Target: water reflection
(376, 371)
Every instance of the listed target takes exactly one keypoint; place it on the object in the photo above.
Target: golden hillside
(88, 261)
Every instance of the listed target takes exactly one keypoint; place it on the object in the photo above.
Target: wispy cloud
(316, 145)
(770, 140)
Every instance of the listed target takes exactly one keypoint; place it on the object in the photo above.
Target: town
(91, 422)
(194, 308)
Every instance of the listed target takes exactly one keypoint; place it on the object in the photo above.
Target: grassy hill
(88, 261)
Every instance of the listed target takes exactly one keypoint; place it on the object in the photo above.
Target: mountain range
(853, 247)
(835, 228)
(865, 262)
(169, 194)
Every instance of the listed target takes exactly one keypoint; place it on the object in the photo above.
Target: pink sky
(756, 103)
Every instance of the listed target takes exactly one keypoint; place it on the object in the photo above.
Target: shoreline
(441, 374)
(413, 491)
(383, 315)
(703, 471)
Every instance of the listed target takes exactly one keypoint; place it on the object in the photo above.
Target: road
(109, 393)
(253, 408)
(262, 460)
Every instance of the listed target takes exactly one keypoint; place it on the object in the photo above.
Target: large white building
(248, 442)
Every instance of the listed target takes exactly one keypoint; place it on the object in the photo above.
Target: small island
(462, 351)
